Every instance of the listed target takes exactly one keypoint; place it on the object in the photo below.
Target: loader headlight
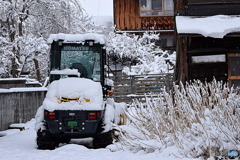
(87, 100)
(65, 99)
(50, 115)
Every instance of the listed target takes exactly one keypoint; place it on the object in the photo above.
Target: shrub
(200, 119)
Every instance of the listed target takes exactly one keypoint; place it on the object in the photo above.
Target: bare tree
(25, 22)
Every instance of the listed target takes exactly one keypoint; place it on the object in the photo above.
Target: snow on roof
(77, 38)
(213, 26)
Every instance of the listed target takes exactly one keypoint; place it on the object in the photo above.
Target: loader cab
(68, 54)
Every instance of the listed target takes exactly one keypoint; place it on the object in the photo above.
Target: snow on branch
(150, 58)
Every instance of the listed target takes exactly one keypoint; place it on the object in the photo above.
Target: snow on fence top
(212, 26)
(13, 79)
(77, 38)
(28, 89)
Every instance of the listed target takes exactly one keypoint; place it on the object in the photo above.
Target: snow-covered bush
(142, 50)
(152, 64)
(200, 119)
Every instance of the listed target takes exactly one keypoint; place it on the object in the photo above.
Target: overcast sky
(98, 7)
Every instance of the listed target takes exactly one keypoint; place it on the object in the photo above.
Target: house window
(156, 7)
(209, 59)
(234, 69)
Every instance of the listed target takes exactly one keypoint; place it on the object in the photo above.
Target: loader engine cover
(72, 94)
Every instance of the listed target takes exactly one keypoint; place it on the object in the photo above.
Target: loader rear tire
(102, 140)
(46, 141)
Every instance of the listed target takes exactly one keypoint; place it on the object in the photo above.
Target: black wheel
(45, 140)
(64, 140)
(101, 140)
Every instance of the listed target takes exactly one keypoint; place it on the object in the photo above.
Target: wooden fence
(19, 106)
(136, 86)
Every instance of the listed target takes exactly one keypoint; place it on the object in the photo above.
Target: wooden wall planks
(126, 88)
(127, 17)
(19, 107)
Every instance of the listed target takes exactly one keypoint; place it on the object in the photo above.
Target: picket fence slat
(126, 85)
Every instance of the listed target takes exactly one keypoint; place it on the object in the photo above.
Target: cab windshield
(83, 58)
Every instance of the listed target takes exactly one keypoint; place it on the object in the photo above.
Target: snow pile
(112, 114)
(77, 38)
(214, 26)
(109, 82)
(201, 121)
(80, 88)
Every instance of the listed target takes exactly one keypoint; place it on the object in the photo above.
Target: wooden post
(167, 83)
(37, 69)
(131, 84)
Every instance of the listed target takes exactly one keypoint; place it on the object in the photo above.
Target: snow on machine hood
(87, 94)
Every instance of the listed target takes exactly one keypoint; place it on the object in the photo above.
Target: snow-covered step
(20, 126)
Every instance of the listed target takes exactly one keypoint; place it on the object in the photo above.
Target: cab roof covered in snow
(77, 38)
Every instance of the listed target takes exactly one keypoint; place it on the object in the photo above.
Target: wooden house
(208, 40)
(138, 16)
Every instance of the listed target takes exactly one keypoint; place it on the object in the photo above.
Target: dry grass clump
(200, 119)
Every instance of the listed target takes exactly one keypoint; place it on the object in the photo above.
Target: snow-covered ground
(21, 145)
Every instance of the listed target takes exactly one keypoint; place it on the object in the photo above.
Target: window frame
(163, 10)
(79, 51)
(231, 76)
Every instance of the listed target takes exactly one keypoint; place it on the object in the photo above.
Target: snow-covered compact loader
(76, 105)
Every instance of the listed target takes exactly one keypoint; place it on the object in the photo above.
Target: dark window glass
(235, 66)
(156, 7)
